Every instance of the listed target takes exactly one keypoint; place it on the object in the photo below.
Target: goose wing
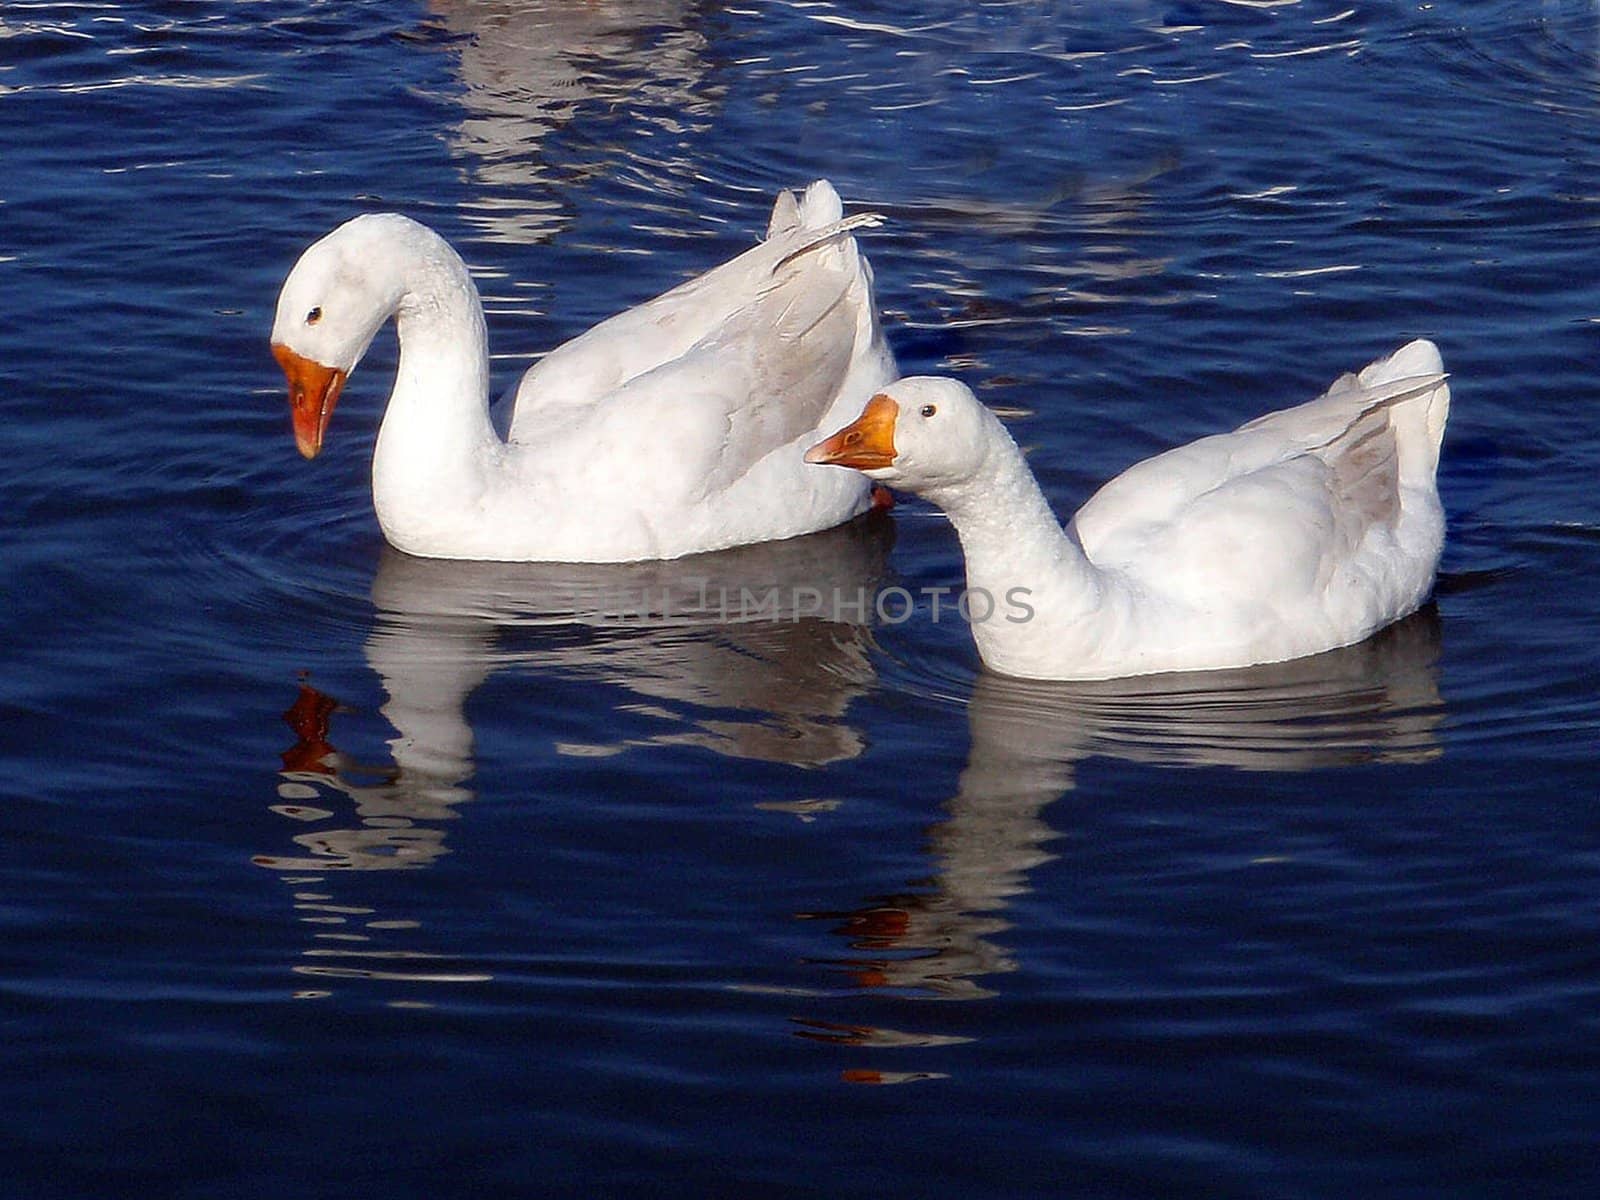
(1292, 483)
(807, 250)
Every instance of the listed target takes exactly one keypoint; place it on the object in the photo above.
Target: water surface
(324, 870)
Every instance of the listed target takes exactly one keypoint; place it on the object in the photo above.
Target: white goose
(672, 428)
(1301, 531)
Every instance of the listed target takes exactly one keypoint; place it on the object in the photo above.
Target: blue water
(328, 872)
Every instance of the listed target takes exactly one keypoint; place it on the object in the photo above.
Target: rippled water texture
(329, 872)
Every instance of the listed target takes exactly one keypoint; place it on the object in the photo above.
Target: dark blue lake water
(328, 872)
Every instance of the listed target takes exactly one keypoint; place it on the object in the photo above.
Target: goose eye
(314, 316)
(928, 410)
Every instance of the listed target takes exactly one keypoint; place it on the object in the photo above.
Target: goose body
(1301, 531)
(672, 428)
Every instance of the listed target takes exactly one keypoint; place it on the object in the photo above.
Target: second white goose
(1301, 531)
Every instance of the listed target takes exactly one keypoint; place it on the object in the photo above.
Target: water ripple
(1549, 58)
(1308, 928)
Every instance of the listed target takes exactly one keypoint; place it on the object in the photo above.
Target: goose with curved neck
(1301, 531)
(672, 428)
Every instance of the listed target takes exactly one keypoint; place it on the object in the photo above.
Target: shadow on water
(1376, 702)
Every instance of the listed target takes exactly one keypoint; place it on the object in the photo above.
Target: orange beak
(865, 443)
(313, 391)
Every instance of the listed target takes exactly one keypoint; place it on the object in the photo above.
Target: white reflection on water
(530, 67)
(1377, 702)
(775, 687)
(443, 628)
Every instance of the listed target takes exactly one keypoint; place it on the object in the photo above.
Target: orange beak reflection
(866, 443)
(313, 391)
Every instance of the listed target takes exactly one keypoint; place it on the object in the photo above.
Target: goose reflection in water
(736, 652)
(677, 642)
(1376, 702)
(528, 67)
(721, 650)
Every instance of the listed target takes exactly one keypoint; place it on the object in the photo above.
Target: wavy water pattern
(326, 870)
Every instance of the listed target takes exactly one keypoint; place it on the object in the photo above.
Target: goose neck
(1009, 535)
(438, 455)
(438, 415)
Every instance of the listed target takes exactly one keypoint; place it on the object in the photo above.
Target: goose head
(333, 303)
(919, 433)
